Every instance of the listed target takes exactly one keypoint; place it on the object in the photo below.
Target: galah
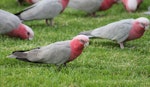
(148, 12)
(131, 5)
(121, 31)
(44, 9)
(28, 1)
(91, 6)
(11, 25)
(58, 53)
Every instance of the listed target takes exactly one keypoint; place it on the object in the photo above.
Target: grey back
(88, 6)
(117, 31)
(56, 53)
(44, 9)
(8, 22)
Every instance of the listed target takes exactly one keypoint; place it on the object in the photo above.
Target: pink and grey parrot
(58, 53)
(44, 9)
(91, 6)
(131, 5)
(28, 1)
(11, 25)
(121, 31)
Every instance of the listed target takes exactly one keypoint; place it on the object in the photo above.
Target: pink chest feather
(135, 33)
(76, 50)
(106, 4)
(64, 4)
(19, 32)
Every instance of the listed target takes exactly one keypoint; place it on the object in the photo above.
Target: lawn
(102, 63)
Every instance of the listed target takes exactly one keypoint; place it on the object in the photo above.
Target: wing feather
(8, 22)
(56, 53)
(85, 5)
(117, 31)
(44, 9)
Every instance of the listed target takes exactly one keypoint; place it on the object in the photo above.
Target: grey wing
(44, 9)
(53, 53)
(118, 31)
(85, 5)
(8, 22)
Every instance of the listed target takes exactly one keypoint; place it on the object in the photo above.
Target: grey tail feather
(23, 59)
(20, 55)
(87, 33)
(18, 15)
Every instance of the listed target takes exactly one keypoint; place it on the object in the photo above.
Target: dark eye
(143, 24)
(82, 41)
(28, 33)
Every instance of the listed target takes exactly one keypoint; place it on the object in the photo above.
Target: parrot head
(82, 39)
(23, 32)
(144, 22)
(77, 44)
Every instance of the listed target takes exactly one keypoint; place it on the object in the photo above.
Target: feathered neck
(19, 32)
(76, 49)
(136, 32)
(64, 4)
(106, 4)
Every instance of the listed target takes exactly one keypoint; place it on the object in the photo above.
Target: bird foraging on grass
(131, 5)
(121, 31)
(58, 53)
(11, 25)
(92, 6)
(44, 9)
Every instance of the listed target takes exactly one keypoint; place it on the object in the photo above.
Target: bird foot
(49, 22)
(121, 45)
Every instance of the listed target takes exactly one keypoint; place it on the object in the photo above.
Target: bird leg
(121, 45)
(20, 2)
(94, 15)
(91, 14)
(59, 67)
(51, 22)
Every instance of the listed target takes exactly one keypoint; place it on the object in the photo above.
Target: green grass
(102, 63)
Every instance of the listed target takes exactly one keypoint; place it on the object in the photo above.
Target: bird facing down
(91, 6)
(11, 25)
(131, 5)
(121, 31)
(44, 9)
(56, 53)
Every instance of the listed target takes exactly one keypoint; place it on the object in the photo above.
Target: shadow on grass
(112, 44)
(107, 44)
(12, 63)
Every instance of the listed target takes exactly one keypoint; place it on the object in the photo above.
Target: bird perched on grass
(58, 53)
(121, 31)
(91, 6)
(11, 25)
(44, 9)
(131, 5)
